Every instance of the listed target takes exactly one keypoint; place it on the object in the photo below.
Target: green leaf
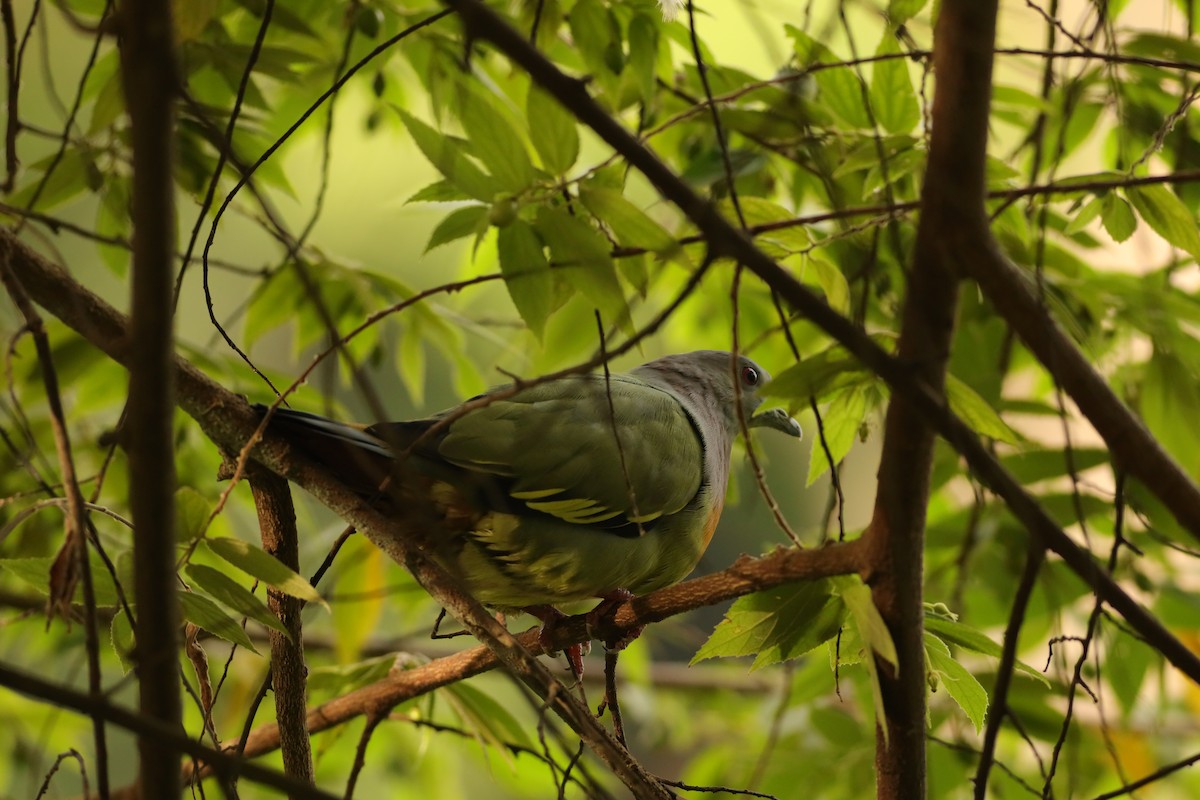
(526, 274)
(440, 191)
(963, 687)
(491, 721)
(777, 624)
(841, 419)
(592, 34)
(892, 97)
(192, 511)
(1085, 215)
(457, 224)
(204, 613)
(274, 303)
(69, 179)
(632, 226)
(872, 633)
(976, 412)
(447, 154)
(582, 256)
(36, 573)
(969, 638)
(1167, 216)
(1118, 218)
(838, 88)
(901, 11)
(1035, 465)
(816, 376)
(120, 636)
(494, 141)
(552, 130)
(260, 564)
(1126, 663)
(832, 282)
(339, 679)
(227, 591)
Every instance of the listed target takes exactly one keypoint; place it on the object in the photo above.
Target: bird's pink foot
(607, 603)
(551, 617)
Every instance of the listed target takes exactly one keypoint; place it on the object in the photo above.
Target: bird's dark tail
(358, 459)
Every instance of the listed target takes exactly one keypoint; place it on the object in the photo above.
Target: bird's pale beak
(778, 419)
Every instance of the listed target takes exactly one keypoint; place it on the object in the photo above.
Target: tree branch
(726, 240)
(952, 210)
(149, 79)
(277, 521)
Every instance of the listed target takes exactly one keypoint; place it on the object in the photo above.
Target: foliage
(440, 216)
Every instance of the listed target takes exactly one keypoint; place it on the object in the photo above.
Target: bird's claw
(607, 603)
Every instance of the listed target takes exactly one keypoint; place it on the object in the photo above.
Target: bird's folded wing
(586, 450)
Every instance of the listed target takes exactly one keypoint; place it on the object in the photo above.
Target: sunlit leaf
(1167, 216)
(495, 142)
(841, 420)
(777, 624)
(256, 562)
(632, 226)
(961, 685)
(892, 97)
(584, 258)
(552, 130)
(449, 156)
(976, 412)
(457, 224)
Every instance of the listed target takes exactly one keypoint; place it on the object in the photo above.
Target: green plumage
(565, 490)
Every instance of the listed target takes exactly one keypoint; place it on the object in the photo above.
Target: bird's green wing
(572, 454)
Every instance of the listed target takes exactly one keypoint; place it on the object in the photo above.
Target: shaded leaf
(228, 592)
(495, 142)
(457, 224)
(582, 256)
(204, 613)
(892, 97)
(192, 510)
(552, 131)
(632, 226)
(526, 274)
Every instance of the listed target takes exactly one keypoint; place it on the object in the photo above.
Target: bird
(594, 485)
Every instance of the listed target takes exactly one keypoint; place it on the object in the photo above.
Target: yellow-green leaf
(260, 564)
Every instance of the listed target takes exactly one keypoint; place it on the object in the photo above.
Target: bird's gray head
(706, 379)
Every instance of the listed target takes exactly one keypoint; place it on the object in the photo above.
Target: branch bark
(952, 214)
(149, 79)
(289, 675)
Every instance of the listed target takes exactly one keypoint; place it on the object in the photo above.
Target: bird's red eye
(750, 376)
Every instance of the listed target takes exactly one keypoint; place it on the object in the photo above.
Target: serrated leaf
(526, 274)
(494, 141)
(965, 636)
(841, 420)
(976, 412)
(815, 377)
(892, 97)
(961, 685)
(192, 511)
(1167, 216)
(228, 592)
(632, 226)
(457, 224)
(447, 154)
(204, 613)
(258, 563)
(1118, 218)
(581, 255)
(552, 131)
(778, 624)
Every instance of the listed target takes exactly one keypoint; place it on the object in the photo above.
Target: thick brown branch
(289, 675)
(149, 78)
(725, 239)
(952, 210)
